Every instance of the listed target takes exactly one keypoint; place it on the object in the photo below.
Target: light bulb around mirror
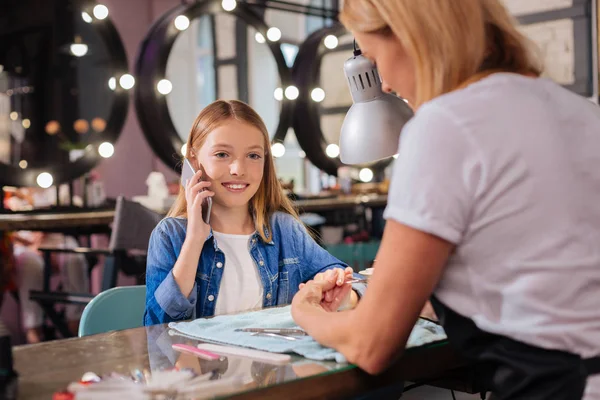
(333, 150)
(127, 81)
(100, 11)
(273, 34)
(365, 175)
(106, 150)
(14, 115)
(228, 5)
(278, 150)
(164, 86)
(317, 95)
(86, 17)
(44, 180)
(331, 42)
(292, 92)
(182, 22)
(112, 83)
(184, 149)
(278, 94)
(26, 123)
(79, 49)
(259, 37)
(23, 164)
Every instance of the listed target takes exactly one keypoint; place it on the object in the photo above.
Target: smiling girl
(255, 253)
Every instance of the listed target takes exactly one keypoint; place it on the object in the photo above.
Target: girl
(493, 205)
(255, 252)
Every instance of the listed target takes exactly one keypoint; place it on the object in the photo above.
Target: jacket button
(269, 296)
(261, 263)
(211, 297)
(219, 264)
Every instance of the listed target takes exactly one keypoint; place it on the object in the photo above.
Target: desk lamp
(372, 126)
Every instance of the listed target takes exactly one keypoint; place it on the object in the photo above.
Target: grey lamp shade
(372, 126)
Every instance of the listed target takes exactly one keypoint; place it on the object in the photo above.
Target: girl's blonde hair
(449, 41)
(269, 197)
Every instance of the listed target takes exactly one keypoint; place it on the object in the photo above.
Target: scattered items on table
(142, 385)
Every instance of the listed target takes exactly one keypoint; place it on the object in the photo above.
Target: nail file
(264, 356)
(205, 355)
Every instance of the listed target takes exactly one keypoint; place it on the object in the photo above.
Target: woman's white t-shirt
(241, 288)
(508, 169)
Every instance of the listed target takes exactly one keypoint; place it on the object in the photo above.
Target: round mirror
(201, 52)
(63, 98)
(198, 72)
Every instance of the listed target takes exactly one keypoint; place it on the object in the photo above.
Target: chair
(114, 309)
(132, 226)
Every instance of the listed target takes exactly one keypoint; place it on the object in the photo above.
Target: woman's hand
(336, 293)
(195, 194)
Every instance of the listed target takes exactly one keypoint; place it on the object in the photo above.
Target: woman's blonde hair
(269, 197)
(449, 41)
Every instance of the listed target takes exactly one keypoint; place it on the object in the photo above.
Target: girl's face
(393, 64)
(233, 157)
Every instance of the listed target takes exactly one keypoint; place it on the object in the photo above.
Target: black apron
(514, 370)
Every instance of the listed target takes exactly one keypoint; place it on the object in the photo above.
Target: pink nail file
(204, 354)
(264, 356)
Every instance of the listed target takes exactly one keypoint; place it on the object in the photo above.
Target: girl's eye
(255, 156)
(221, 155)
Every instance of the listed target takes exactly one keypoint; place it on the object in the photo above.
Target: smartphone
(187, 173)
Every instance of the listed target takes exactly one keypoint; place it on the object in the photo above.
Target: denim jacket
(292, 257)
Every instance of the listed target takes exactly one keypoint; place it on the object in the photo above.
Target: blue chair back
(114, 309)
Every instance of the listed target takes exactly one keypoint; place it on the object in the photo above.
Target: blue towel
(221, 329)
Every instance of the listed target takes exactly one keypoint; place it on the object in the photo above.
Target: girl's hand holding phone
(196, 190)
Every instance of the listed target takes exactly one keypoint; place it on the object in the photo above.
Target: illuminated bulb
(14, 115)
(278, 94)
(331, 42)
(100, 11)
(259, 37)
(184, 149)
(52, 127)
(26, 123)
(278, 150)
(365, 175)
(291, 92)
(44, 180)
(127, 81)
(106, 150)
(333, 150)
(228, 5)
(182, 22)
(318, 95)
(81, 126)
(164, 86)
(99, 124)
(273, 34)
(79, 49)
(86, 17)
(112, 83)
(23, 164)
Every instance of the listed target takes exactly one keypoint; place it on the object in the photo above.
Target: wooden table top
(55, 220)
(49, 367)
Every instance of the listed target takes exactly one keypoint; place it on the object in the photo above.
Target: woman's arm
(409, 264)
